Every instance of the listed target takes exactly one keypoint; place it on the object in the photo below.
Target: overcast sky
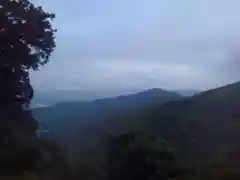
(171, 44)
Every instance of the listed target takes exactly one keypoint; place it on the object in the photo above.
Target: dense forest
(151, 135)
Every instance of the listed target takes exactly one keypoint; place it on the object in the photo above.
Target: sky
(141, 44)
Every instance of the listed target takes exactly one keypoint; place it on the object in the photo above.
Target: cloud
(143, 43)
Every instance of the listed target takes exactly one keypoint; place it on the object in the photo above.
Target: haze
(140, 44)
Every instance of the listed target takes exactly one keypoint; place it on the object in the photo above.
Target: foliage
(19, 147)
(141, 157)
(55, 162)
(26, 43)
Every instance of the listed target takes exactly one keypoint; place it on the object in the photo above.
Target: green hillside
(200, 128)
(204, 126)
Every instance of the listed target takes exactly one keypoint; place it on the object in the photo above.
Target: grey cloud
(150, 43)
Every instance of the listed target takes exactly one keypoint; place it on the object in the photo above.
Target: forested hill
(79, 113)
(200, 128)
(204, 127)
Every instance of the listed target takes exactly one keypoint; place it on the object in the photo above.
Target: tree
(26, 43)
(141, 157)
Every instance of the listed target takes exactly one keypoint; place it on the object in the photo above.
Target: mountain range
(49, 98)
(200, 128)
(82, 113)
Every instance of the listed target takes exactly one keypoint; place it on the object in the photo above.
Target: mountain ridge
(200, 128)
(53, 97)
(75, 114)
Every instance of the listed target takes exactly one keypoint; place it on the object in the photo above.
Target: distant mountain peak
(156, 90)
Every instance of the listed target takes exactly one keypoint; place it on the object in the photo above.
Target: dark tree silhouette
(26, 43)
